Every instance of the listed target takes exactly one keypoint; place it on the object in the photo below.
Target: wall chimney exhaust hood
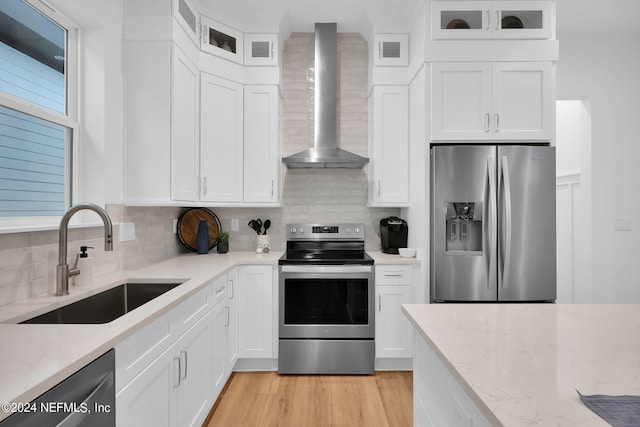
(325, 152)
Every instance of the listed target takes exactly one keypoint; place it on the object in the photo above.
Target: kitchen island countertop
(521, 364)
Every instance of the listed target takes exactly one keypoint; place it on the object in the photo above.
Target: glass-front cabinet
(492, 19)
(222, 40)
(261, 50)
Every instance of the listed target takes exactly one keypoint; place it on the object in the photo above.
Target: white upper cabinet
(221, 139)
(261, 50)
(492, 19)
(391, 50)
(187, 16)
(389, 168)
(222, 41)
(492, 101)
(185, 123)
(261, 144)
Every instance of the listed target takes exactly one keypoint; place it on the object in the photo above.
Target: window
(36, 113)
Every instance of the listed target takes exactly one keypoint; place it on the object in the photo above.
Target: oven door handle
(341, 269)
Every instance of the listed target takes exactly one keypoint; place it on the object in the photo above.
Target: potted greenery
(223, 242)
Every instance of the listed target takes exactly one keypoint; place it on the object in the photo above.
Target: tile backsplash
(28, 260)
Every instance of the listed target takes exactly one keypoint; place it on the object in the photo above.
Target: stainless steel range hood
(325, 152)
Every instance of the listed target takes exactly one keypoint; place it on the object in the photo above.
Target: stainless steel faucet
(62, 270)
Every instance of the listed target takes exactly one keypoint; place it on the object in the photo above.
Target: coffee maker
(393, 234)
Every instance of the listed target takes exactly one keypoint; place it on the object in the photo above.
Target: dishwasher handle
(86, 407)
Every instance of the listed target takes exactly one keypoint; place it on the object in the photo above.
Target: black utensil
(259, 221)
(267, 224)
(254, 226)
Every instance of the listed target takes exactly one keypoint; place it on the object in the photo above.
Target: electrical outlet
(127, 231)
(235, 224)
(623, 224)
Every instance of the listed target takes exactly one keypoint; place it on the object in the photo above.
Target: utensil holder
(262, 244)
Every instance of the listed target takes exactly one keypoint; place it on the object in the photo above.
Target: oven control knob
(357, 229)
(348, 230)
(293, 230)
(301, 230)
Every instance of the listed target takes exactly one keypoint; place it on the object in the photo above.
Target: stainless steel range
(326, 301)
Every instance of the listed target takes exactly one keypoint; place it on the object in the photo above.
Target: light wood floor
(265, 399)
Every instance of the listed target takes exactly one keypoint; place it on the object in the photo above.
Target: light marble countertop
(34, 358)
(522, 363)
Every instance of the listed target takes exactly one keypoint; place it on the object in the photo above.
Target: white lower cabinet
(394, 333)
(218, 350)
(255, 311)
(174, 389)
(192, 391)
(231, 322)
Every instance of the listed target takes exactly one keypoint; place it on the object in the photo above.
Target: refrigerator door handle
(506, 182)
(490, 222)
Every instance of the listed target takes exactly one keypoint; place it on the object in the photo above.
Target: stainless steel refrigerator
(493, 223)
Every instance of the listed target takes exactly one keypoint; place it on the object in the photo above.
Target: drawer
(394, 275)
(219, 290)
(188, 312)
(137, 352)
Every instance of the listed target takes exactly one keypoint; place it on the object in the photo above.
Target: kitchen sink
(105, 306)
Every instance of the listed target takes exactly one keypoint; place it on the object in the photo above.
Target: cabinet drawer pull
(487, 123)
(186, 364)
(220, 289)
(176, 383)
(379, 302)
(497, 122)
(393, 275)
(233, 289)
(488, 21)
(497, 20)
(227, 313)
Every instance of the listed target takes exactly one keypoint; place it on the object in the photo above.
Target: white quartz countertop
(34, 358)
(522, 363)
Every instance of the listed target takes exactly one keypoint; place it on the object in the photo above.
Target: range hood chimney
(325, 152)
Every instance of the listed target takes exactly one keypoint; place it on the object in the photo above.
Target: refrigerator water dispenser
(464, 228)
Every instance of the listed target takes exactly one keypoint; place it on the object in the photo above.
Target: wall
(605, 69)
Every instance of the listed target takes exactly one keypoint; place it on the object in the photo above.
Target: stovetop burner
(328, 244)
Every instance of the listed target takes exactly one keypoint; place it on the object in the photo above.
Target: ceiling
(351, 15)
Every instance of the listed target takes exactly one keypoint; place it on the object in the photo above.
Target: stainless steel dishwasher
(86, 398)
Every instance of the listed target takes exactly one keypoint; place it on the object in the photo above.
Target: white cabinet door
(394, 334)
(522, 100)
(193, 397)
(255, 311)
(499, 101)
(261, 50)
(390, 148)
(185, 124)
(523, 19)
(218, 349)
(231, 322)
(147, 399)
(461, 101)
(222, 40)
(221, 140)
(261, 144)
(391, 50)
(187, 16)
